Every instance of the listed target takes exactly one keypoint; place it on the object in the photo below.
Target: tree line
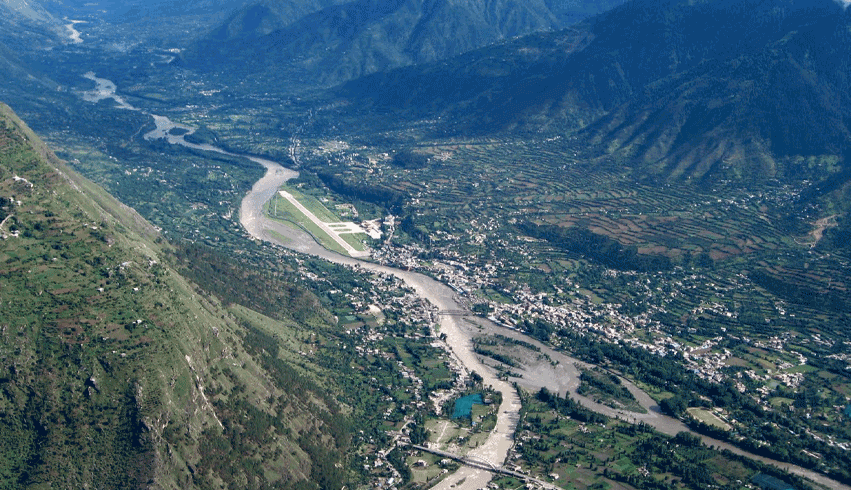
(600, 248)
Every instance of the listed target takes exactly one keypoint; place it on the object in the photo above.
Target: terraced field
(510, 179)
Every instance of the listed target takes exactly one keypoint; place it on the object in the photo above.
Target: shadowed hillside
(710, 89)
(329, 42)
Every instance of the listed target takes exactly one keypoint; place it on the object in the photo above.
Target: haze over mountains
(331, 41)
(25, 27)
(20, 17)
(135, 21)
(684, 89)
(27, 10)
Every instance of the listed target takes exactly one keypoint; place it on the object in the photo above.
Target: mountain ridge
(33, 12)
(341, 41)
(699, 72)
(115, 370)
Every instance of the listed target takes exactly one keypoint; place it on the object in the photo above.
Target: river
(561, 377)
(73, 34)
(495, 449)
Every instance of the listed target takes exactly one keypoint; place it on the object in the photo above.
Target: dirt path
(818, 233)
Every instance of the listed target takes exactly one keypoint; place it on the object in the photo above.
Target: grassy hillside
(116, 372)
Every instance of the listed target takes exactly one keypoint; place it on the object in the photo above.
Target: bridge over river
(455, 313)
(482, 464)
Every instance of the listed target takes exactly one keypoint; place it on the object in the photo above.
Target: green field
(616, 455)
(313, 205)
(708, 418)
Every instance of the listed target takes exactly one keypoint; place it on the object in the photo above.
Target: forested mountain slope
(713, 88)
(23, 10)
(117, 372)
(329, 42)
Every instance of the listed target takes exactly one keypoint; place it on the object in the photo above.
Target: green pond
(464, 405)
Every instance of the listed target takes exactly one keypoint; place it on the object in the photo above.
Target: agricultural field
(708, 418)
(575, 453)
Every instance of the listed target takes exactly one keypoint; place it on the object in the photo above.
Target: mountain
(118, 372)
(12, 69)
(165, 23)
(718, 97)
(330, 42)
(259, 19)
(29, 20)
(683, 89)
(569, 12)
(23, 9)
(113, 10)
(23, 27)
